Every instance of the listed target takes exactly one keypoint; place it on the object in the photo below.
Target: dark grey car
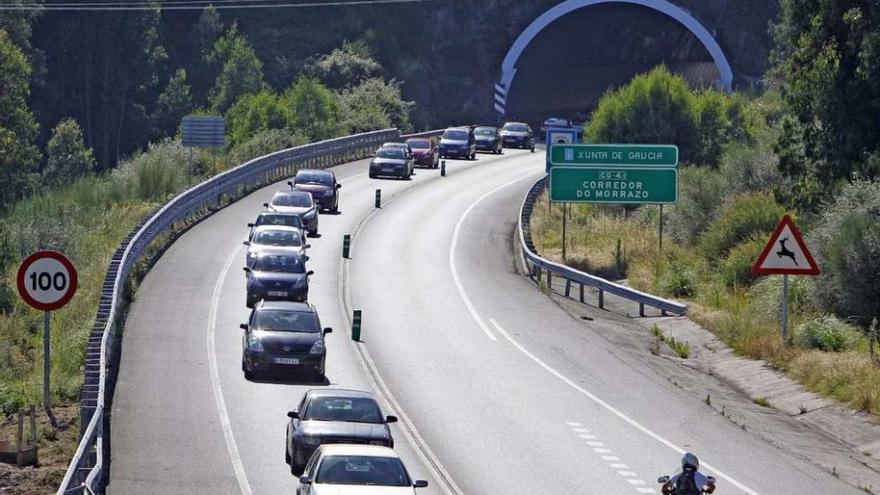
(334, 416)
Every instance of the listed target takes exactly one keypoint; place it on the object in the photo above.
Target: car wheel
(248, 375)
(296, 469)
(287, 459)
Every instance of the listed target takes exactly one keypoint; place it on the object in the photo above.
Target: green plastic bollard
(356, 326)
(346, 245)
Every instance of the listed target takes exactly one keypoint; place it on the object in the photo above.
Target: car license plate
(286, 361)
(277, 293)
(387, 169)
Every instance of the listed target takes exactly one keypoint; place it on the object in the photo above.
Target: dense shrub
(374, 104)
(679, 279)
(746, 216)
(736, 269)
(254, 113)
(264, 143)
(846, 244)
(67, 156)
(314, 109)
(700, 195)
(827, 333)
(152, 176)
(720, 119)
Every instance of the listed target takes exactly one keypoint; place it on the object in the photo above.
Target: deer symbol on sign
(785, 252)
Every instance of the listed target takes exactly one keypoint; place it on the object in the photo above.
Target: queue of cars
(338, 440)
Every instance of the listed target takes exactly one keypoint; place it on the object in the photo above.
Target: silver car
(277, 237)
(392, 162)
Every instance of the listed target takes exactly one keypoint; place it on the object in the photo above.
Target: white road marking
(234, 456)
(617, 465)
(626, 474)
(587, 437)
(574, 424)
(622, 469)
(645, 490)
(632, 481)
(454, 244)
(608, 407)
(595, 443)
(610, 458)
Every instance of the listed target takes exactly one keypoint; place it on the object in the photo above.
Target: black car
(458, 142)
(334, 416)
(488, 139)
(321, 184)
(391, 162)
(279, 275)
(282, 335)
(298, 202)
(276, 218)
(517, 135)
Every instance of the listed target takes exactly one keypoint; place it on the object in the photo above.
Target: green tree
(67, 156)
(720, 120)
(205, 34)
(314, 109)
(374, 104)
(254, 113)
(174, 102)
(656, 107)
(18, 155)
(346, 66)
(241, 71)
(827, 58)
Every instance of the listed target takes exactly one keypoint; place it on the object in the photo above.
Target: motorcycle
(669, 489)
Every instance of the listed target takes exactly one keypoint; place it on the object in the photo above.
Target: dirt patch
(55, 449)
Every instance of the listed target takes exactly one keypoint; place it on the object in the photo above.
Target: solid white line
(615, 411)
(234, 456)
(452, 247)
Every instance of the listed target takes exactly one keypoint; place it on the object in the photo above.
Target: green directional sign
(643, 155)
(637, 185)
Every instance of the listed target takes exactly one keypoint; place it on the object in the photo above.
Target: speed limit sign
(46, 280)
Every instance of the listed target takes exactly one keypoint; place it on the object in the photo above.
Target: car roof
(465, 129)
(286, 306)
(519, 123)
(339, 392)
(279, 213)
(314, 171)
(291, 192)
(286, 228)
(278, 252)
(359, 450)
(485, 127)
(393, 145)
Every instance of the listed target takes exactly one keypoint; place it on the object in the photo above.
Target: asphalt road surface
(501, 391)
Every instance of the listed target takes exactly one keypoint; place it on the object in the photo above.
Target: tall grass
(86, 220)
(721, 294)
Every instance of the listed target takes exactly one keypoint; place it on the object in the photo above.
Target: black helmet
(690, 460)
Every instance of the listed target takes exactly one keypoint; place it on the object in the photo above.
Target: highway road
(503, 390)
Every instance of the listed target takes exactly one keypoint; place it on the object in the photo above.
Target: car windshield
(286, 321)
(311, 177)
(455, 135)
(484, 131)
(278, 238)
(279, 263)
(515, 127)
(349, 409)
(303, 200)
(362, 470)
(419, 144)
(287, 220)
(393, 153)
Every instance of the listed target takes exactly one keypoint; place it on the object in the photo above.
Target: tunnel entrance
(568, 64)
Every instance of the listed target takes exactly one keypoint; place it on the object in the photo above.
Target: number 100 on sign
(614, 185)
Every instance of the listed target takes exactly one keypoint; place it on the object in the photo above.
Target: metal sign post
(47, 281)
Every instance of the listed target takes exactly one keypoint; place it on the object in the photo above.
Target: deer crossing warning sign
(786, 253)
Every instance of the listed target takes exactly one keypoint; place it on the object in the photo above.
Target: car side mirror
(247, 269)
(420, 484)
(247, 243)
(305, 480)
(390, 419)
(711, 479)
(306, 258)
(338, 186)
(265, 205)
(663, 479)
(251, 225)
(243, 326)
(310, 273)
(307, 246)
(293, 414)
(328, 330)
(290, 183)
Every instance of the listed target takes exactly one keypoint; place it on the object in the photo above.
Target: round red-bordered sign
(46, 280)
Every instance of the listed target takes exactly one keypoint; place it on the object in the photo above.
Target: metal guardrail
(87, 472)
(537, 265)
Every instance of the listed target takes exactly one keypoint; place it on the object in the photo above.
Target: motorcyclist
(690, 481)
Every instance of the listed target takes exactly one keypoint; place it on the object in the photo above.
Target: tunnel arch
(508, 66)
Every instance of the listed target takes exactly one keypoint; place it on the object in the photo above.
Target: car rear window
(287, 220)
(484, 131)
(277, 238)
(286, 321)
(362, 470)
(393, 153)
(419, 144)
(313, 177)
(298, 200)
(455, 135)
(516, 127)
(279, 263)
(349, 409)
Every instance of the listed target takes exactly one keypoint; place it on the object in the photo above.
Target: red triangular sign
(786, 253)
